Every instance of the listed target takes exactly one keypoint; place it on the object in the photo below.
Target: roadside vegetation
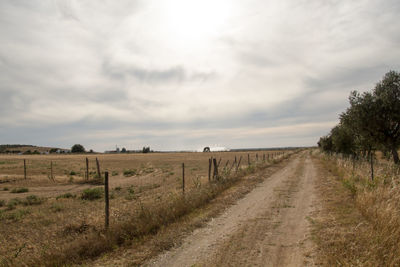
(362, 191)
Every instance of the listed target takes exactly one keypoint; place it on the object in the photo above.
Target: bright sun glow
(191, 21)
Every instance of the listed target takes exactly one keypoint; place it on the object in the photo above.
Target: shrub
(5, 189)
(19, 190)
(92, 193)
(72, 173)
(32, 200)
(2, 203)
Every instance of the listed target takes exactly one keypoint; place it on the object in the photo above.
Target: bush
(72, 173)
(2, 203)
(92, 193)
(20, 190)
(32, 200)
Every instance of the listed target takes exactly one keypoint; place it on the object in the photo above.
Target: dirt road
(268, 227)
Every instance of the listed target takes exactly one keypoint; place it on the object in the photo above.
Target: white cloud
(177, 65)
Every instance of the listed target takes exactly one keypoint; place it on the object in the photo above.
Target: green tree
(343, 140)
(387, 97)
(77, 148)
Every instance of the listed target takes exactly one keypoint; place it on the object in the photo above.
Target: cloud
(270, 73)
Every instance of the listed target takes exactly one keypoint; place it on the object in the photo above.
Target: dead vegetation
(360, 222)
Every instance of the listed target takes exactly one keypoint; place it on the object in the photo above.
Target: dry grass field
(360, 223)
(41, 219)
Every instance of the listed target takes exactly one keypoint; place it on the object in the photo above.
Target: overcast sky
(183, 74)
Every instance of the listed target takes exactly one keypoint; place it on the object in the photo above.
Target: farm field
(40, 217)
(295, 208)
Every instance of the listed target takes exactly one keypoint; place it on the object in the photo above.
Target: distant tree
(123, 150)
(325, 143)
(146, 149)
(343, 140)
(77, 148)
(91, 151)
(53, 150)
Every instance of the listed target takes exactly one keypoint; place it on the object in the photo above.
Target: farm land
(56, 205)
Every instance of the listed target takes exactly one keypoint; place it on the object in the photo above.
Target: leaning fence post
(183, 178)
(98, 168)
(107, 206)
(24, 169)
(87, 169)
(237, 166)
(215, 169)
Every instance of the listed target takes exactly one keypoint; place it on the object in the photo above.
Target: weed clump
(92, 193)
(32, 200)
(129, 173)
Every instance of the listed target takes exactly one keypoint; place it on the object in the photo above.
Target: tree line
(371, 123)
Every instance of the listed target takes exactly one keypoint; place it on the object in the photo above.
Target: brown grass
(67, 229)
(360, 221)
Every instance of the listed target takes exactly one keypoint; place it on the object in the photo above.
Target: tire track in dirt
(210, 245)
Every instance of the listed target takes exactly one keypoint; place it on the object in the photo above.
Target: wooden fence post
(256, 157)
(237, 166)
(87, 169)
(226, 164)
(183, 178)
(248, 159)
(98, 168)
(215, 176)
(209, 168)
(24, 169)
(107, 206)
(219, 162)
